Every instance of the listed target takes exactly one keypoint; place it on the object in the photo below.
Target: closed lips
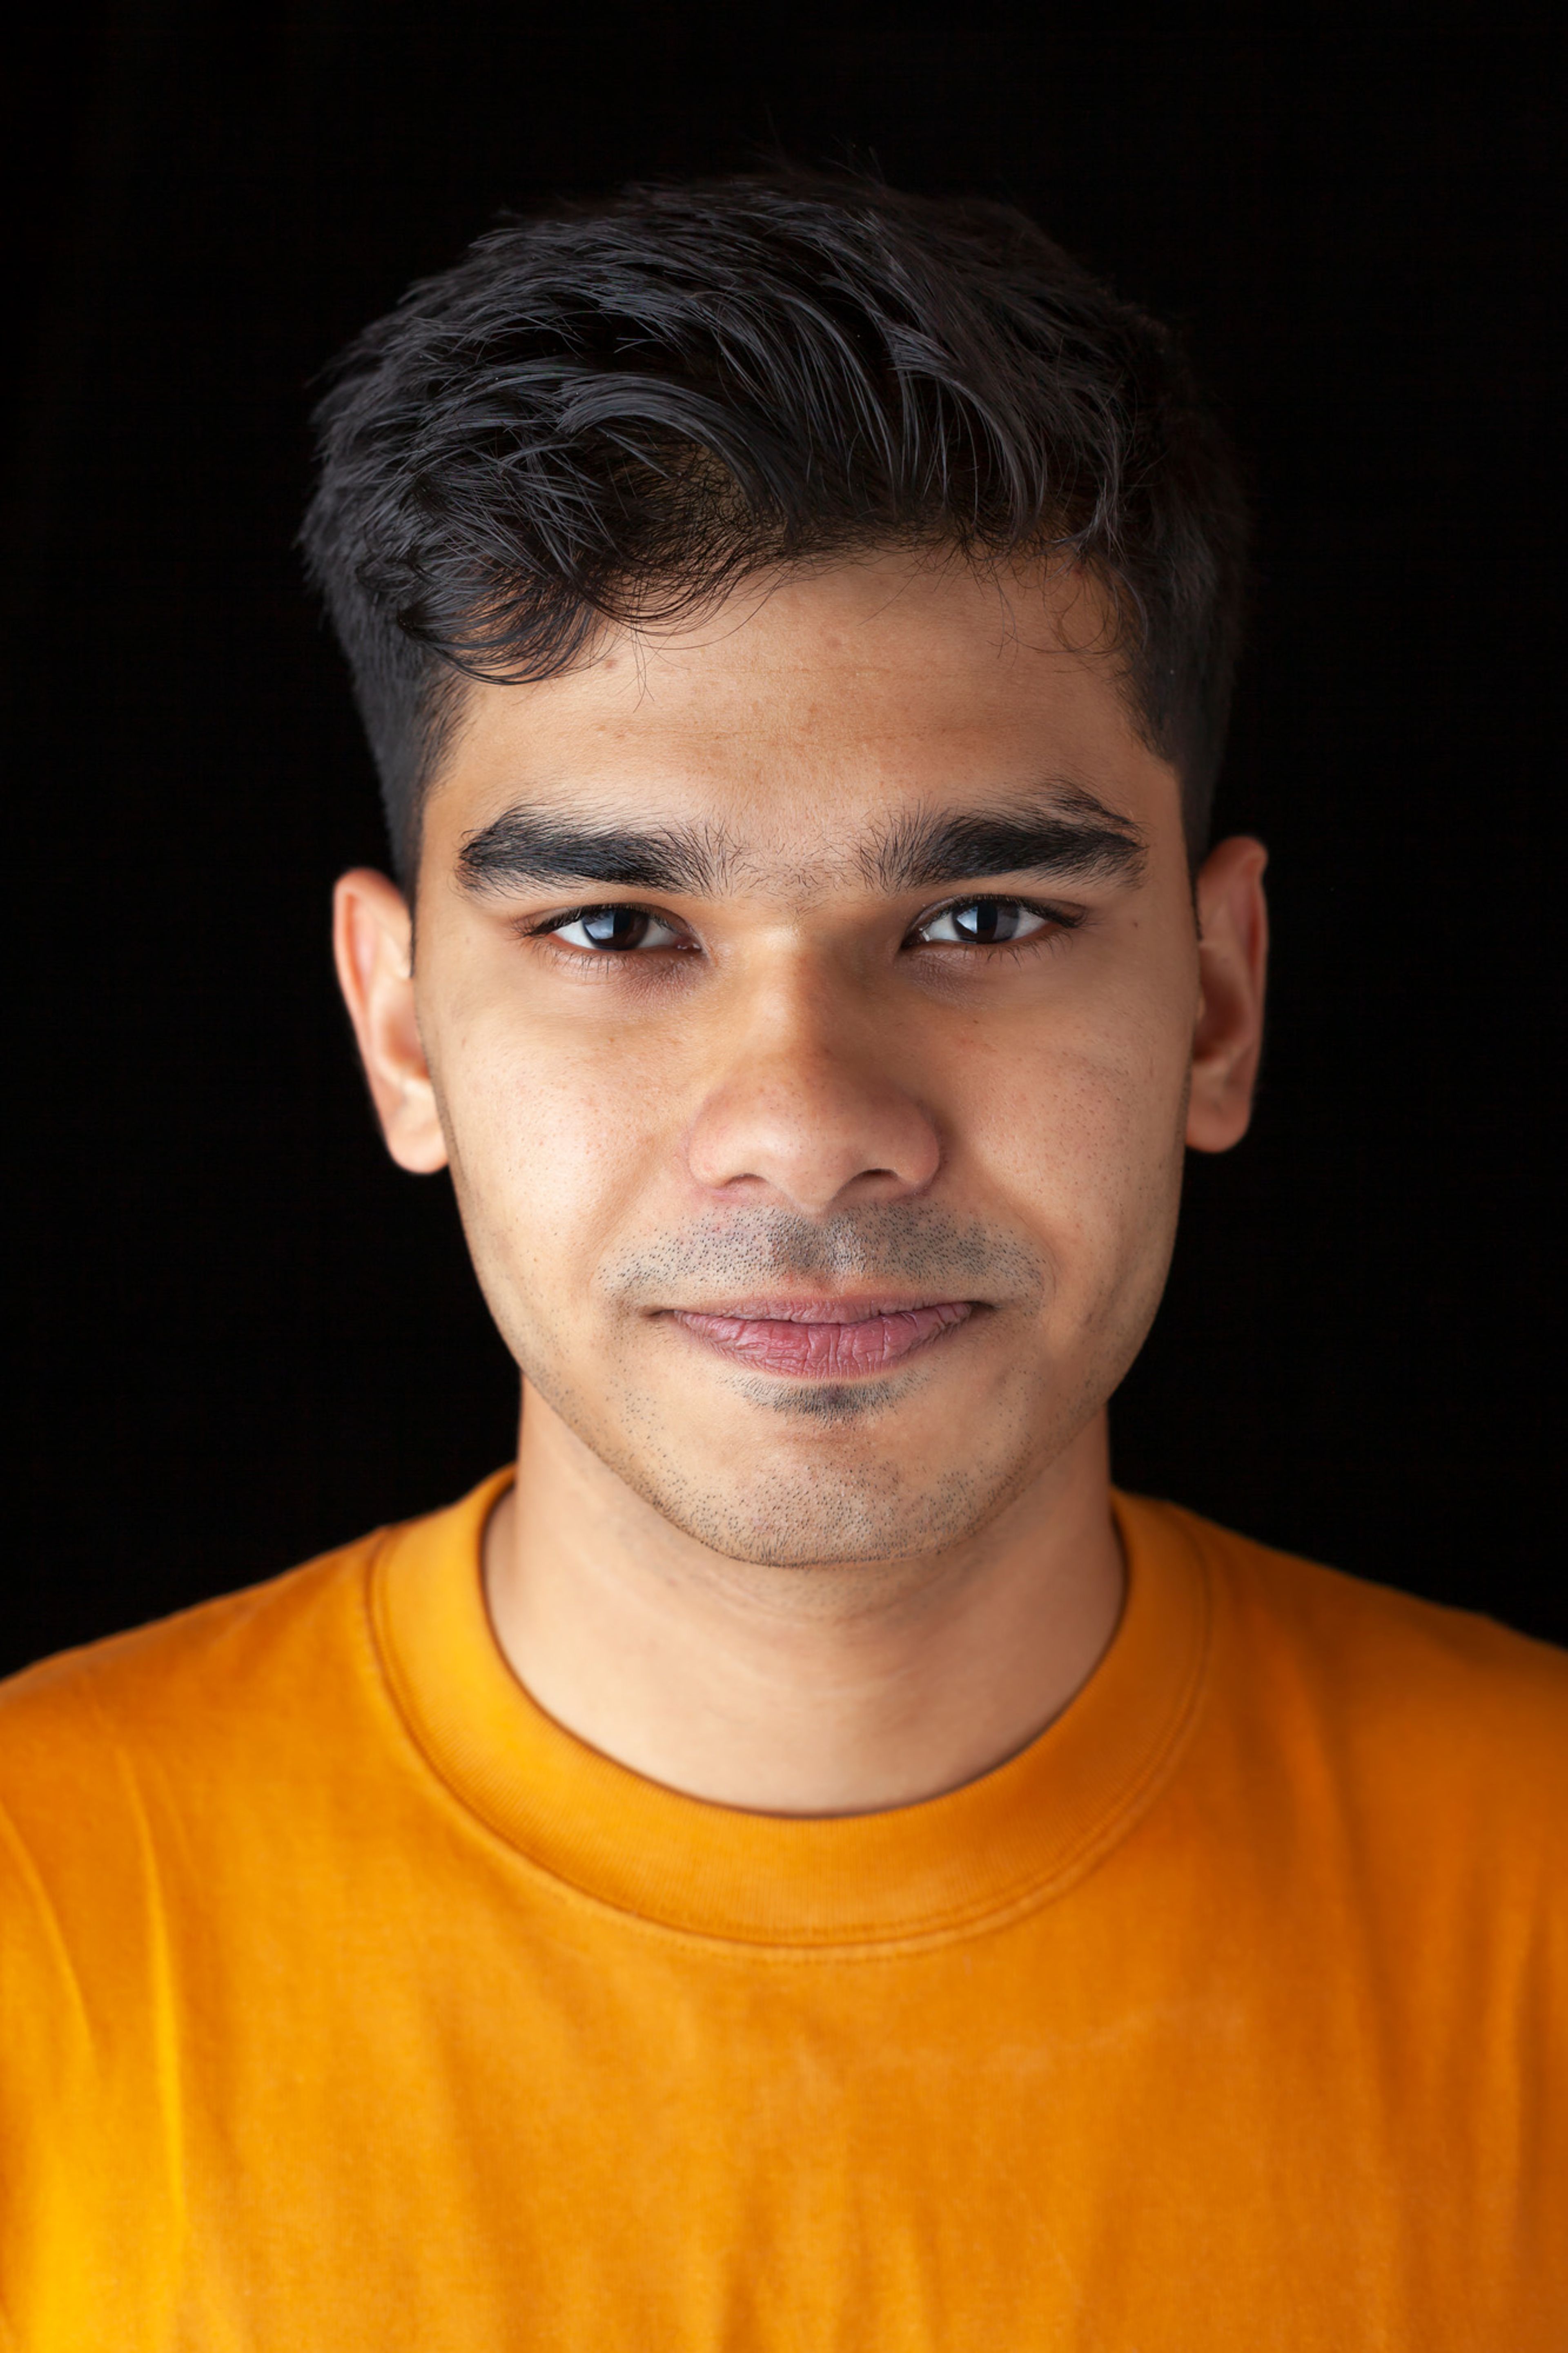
(823, 1339)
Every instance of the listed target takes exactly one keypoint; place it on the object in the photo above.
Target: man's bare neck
(837, 1689)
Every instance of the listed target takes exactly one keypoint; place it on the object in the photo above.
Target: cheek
(550, 1145)
(1083, 1137)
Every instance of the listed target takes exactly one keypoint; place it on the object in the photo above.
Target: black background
(245, 1336)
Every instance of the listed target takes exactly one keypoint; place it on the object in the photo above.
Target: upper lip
(840, 1310)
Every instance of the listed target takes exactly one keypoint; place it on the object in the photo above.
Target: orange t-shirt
(353, 2004)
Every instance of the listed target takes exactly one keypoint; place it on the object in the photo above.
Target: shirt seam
(954, 1927)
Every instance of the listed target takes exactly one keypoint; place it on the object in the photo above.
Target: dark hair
(613, 413)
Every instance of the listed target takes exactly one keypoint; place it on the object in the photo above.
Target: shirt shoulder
(105, 1748)
(1441, 1718)
(155, 1780)
(195, 1662)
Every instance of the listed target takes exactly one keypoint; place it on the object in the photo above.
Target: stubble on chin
(815, 1475)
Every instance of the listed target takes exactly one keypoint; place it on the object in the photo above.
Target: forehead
(804, 710)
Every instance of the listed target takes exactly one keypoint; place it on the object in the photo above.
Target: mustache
(914, 1244)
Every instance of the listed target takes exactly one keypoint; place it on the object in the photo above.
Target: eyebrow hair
(1076, 839)
(525, 847)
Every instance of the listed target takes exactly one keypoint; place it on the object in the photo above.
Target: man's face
(808, 1000)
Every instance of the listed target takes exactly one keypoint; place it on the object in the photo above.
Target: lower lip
(830, 1349)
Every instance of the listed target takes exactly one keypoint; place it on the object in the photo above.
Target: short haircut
(614, 414)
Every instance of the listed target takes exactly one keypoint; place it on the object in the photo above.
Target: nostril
(810, 1136)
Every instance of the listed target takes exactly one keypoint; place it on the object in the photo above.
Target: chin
(827, 1514)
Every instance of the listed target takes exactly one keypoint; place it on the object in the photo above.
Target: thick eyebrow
(527, 847)
(1076, 839)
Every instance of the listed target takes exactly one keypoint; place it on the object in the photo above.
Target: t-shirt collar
(1016, 1838)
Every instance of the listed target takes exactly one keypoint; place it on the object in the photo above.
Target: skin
(821, 1230)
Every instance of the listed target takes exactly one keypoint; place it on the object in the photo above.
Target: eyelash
(548, 925)
(1058, 919)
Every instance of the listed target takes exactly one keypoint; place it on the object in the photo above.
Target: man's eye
(616, 929)
(980, 923)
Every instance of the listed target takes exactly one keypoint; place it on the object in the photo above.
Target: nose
(803, 1106)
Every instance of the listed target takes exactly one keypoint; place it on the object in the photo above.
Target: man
(803, 1863)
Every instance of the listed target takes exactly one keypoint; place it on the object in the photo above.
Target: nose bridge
(799, 1098)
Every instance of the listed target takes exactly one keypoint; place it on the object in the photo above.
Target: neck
(837, 1690)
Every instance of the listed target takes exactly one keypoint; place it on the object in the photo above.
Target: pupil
(984, 921)
(616, 927)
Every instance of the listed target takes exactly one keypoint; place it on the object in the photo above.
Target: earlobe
(1233, 958)
(372, 944)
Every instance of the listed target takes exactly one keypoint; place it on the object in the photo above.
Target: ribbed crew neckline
(949, 1866)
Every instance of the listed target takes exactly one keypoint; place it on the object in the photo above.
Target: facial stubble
(818, 1481)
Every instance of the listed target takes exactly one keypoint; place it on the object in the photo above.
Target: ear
(1232, 957)
(373, 941)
